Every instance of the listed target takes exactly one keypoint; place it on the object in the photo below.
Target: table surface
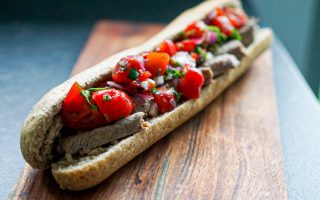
(40, 53)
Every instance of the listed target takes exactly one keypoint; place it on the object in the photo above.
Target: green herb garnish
(173, 73)
(87, 94)
(107, 97)
(236, 35)
(177, 94)
(96, 89)
(133, 74)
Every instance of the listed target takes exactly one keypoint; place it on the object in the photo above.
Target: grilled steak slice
(247, 32)
(84, 141)
(221, 64)
(207, 73)
(234, 47)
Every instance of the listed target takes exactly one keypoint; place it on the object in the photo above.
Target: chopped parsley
(87, 94)
(236, 35)
(173, 73)
(107, 97)
(177, 94)
(133, 74)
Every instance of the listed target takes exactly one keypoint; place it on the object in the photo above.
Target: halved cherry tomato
(128, 70)
(186, 45)
(114, 104)
(156, 63)
(224, 24)
(165, 99)
(190, 85)
(237, 18)
(77, 113)
(195, 30)
(167, 46)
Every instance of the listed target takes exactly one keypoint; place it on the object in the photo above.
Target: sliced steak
(247, 32)
(207, 73)
(84, 141)
(234, 47)
(221, 64)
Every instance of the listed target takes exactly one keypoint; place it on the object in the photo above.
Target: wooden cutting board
(230, 150)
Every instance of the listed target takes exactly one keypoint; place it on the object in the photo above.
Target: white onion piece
(115, 85)
(183, 58)
(173, 103)
(153, 110)
(159, 80)
(145, 85)
(212, 15)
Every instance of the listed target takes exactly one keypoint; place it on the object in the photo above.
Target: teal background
(297, 23)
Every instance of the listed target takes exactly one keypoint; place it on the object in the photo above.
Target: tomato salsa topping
(167, 76)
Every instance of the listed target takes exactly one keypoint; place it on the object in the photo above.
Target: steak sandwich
(94, 123)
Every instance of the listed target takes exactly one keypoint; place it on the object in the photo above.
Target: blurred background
(297, 23)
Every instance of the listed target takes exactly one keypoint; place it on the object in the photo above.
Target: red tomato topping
(186, 45)
(168, 47)
(127, 70)
(114, 104)
(190, 85)
(165, 99)
(224, 24)
(144, 76)
(156, 63)
(77, 114)
(219, 11)
(237, 18)
(195, 30)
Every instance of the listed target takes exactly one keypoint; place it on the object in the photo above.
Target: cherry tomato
(219, 11)
(186, 45)
(114, 104)
(168, 47)
(165, 99)
(224, 24)
(237, 18)
(195, 30)
(156, 63)
(190, 85)
(127, 70)
(77, 113)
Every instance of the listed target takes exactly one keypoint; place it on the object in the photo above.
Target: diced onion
(211, 15)
(159, 80)
(115, 85)
(145, 85)
(184, 58)
(153, 110)
(173, 103)
(211, 37)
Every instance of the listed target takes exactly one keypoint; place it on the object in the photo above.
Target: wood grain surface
(230, 150)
